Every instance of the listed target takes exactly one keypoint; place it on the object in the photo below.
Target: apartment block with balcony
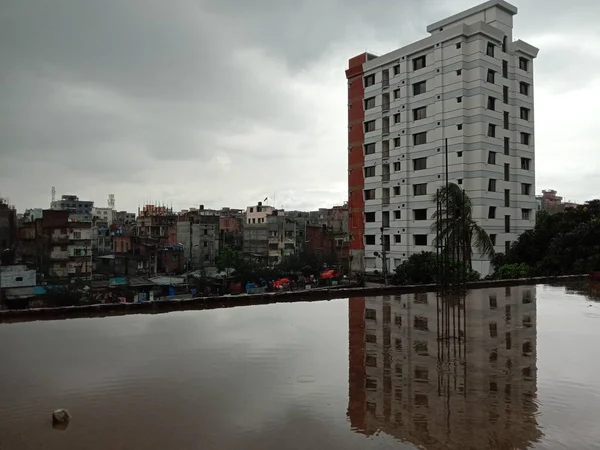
(468, 84)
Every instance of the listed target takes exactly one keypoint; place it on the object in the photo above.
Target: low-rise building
(73, 204)
(198, 233)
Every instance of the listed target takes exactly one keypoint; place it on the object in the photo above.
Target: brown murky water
(516, 368)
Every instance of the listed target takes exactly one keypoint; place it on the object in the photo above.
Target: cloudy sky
(226, 102)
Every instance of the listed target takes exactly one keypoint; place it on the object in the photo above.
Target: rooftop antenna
(53, 194)
(111, 201)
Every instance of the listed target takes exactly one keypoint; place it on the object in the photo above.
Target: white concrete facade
(475, 78)
(104, 214)
(258, 213)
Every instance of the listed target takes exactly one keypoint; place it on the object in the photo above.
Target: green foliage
(559, 244)
(423, 268)
(513, 271)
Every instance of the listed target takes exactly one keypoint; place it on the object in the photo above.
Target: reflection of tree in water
(442, 375)
(587, 288)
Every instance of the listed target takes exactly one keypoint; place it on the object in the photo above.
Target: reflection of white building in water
(473, 393)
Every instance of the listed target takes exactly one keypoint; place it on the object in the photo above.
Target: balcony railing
(385, 177)
(385, 200)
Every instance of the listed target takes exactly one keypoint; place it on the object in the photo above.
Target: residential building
(73, 204)
(124, 217)
(282, 237)
(231, 226)
(551, 202)
(198, 233)
(58, 245)
(104, 215)
(8, 226)
(416, 369)
(468, 84)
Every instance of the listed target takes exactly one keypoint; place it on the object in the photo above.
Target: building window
(397, 214)
(492, 212)
(493, 330)
(525, 214)
(369, 126)
(491, 104)
(397, 69)
(506, 120)
(369, 194)
(419, 63)
(491, 76)
(492, 185)
(369, 103)
(525, 163)
(397, 118)
(524, 88)
(525, 189)
(458, 46)
(420, 214)
(370, 217)
(459, 126)
(458, 99)
(396, 142)
(397, 166)
(506, 145)
(419, 163)
(492, 130)
(420, 240)
(369, 239)
(506, 172)
(525, 138)
(397, 239)
(493, 239)
(492, 158)
(205, 244)
(396, 94)
(505, 94)
(507, 198)
(490, 49)
(525, 113)
(420, 189)
(459, 181)
(369, 171)
(369, 80)
(507, 224)
(524, 64)
(420, 138)
(419, 88)
(396, 190)
(420, 113)
(505, 69)
(459, 72)
(369, 149)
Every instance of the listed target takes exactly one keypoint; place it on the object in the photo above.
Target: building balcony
(59, 255)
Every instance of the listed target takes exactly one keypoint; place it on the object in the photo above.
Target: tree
(457, 227)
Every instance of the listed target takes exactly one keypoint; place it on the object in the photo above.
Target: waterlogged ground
(511, 368)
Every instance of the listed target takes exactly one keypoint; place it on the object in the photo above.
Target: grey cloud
(199, 100)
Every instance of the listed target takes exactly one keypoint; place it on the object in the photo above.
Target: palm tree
(457, 227)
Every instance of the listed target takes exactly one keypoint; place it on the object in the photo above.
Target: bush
(422, 268)
(513, 271)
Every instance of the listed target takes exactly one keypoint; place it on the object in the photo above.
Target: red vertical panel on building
(357, 397)
(356, 159)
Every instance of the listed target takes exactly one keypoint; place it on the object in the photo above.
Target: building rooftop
(471, 11)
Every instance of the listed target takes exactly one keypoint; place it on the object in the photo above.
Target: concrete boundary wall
(200, 303)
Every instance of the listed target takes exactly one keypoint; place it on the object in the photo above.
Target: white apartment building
(103, 214)
(470, 84)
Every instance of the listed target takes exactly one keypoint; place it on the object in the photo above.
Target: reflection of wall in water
(432, 395)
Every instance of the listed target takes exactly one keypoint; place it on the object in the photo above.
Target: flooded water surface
(504, 368)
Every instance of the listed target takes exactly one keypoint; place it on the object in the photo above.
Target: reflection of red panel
(357, 399)
(356, 159)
